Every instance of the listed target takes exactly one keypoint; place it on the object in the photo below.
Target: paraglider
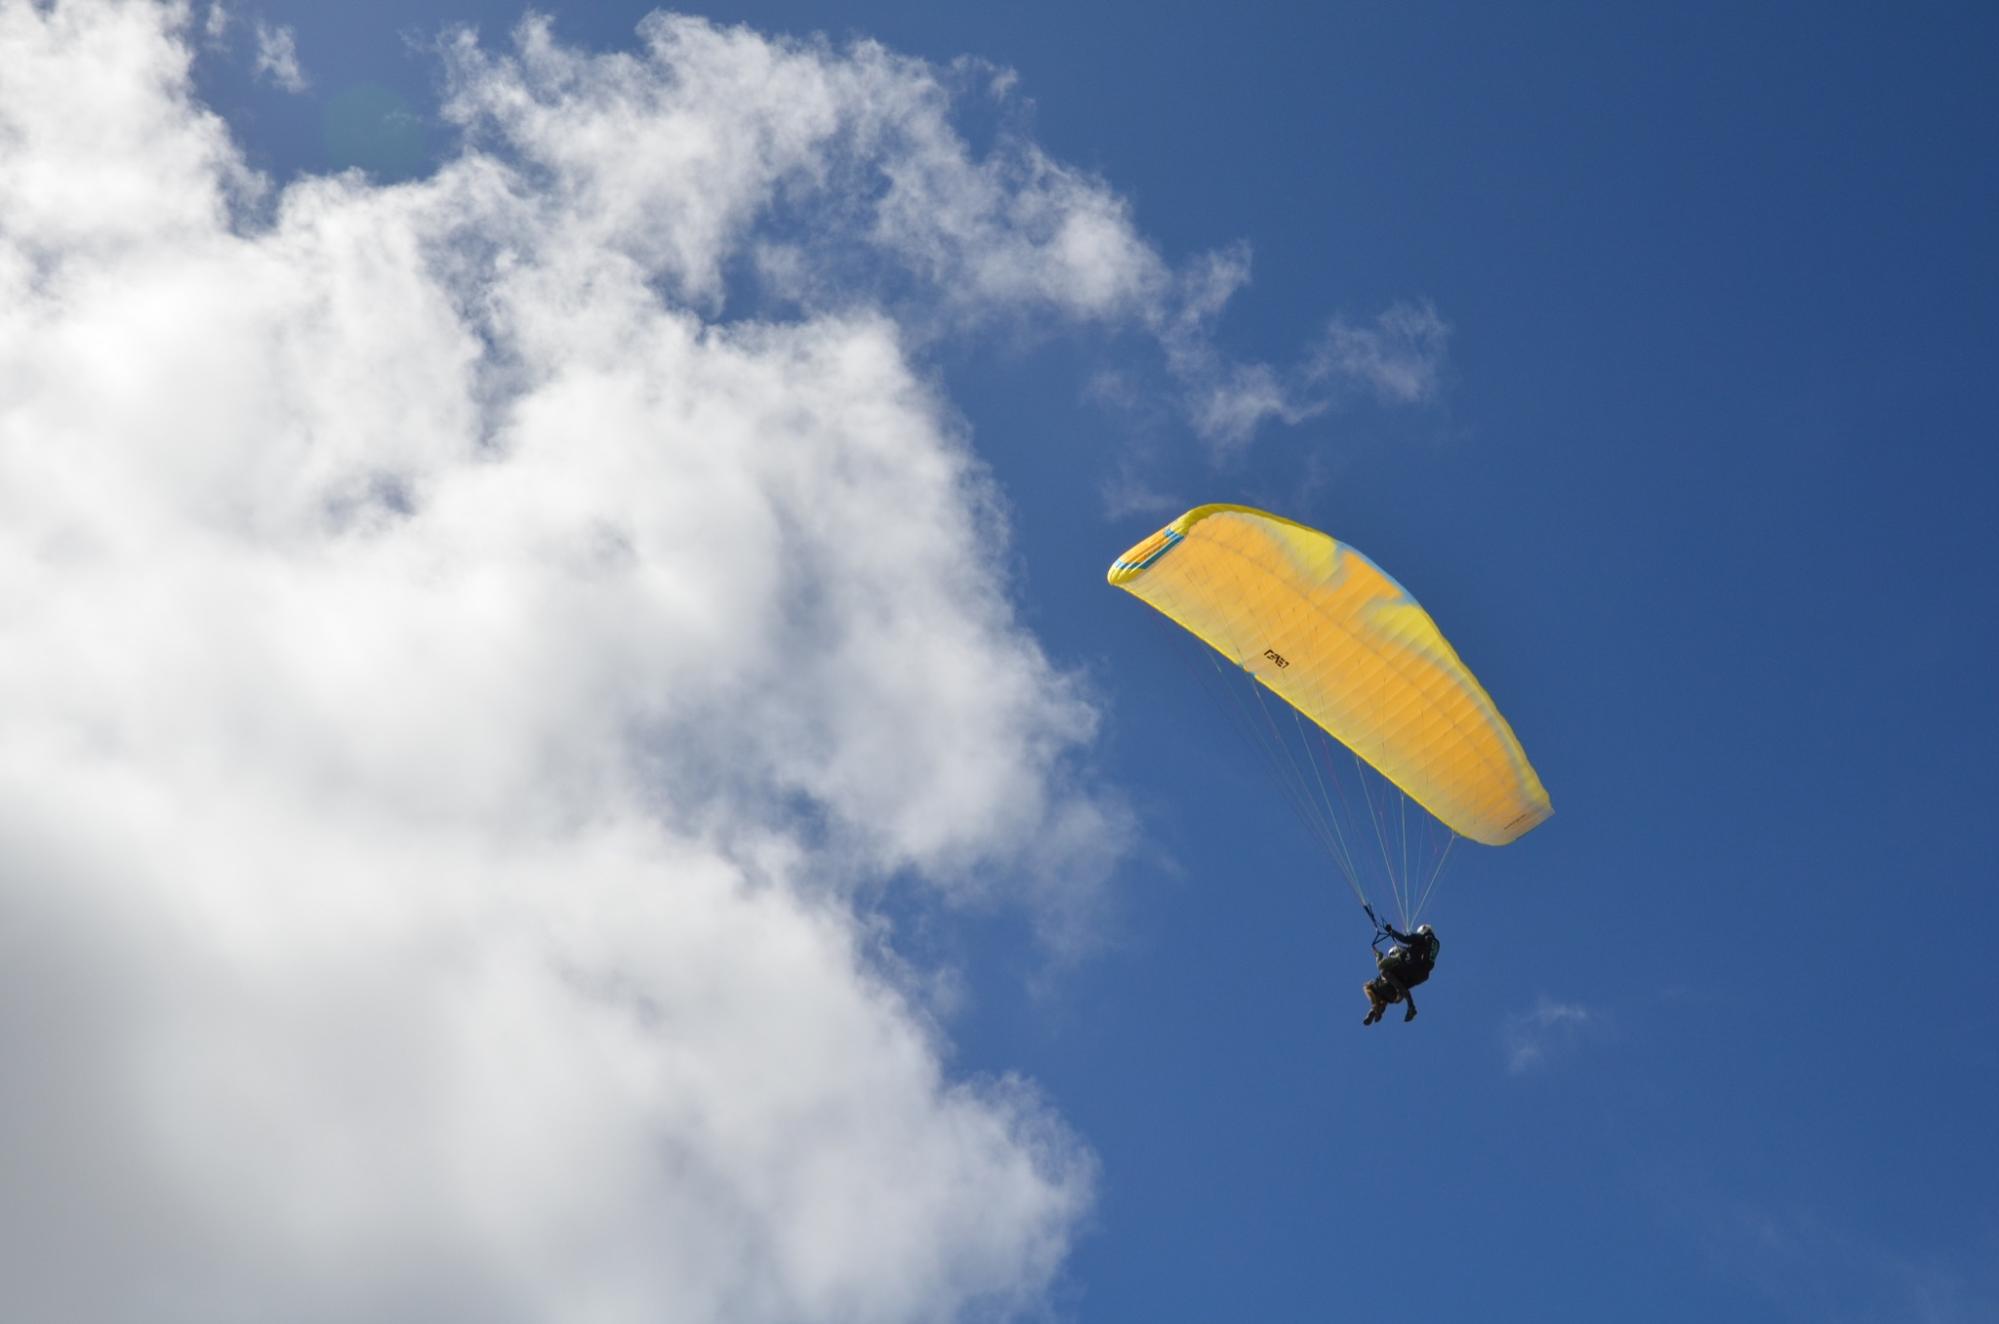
(1404, 965)
(1317, 624)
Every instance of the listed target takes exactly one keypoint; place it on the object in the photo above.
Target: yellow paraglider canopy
(1334, 636)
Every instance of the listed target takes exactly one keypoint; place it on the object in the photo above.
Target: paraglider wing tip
(1515, 829)
(1137, 560)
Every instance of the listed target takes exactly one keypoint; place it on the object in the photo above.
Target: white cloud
(86, 168)
(717, 141)
(840, 174)
(1129, 493)
(277, 55)
(454, 685)
(1399, 360)
(1531, 1038)
(1227, 401)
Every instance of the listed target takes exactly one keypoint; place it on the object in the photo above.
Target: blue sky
(1698, 482)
